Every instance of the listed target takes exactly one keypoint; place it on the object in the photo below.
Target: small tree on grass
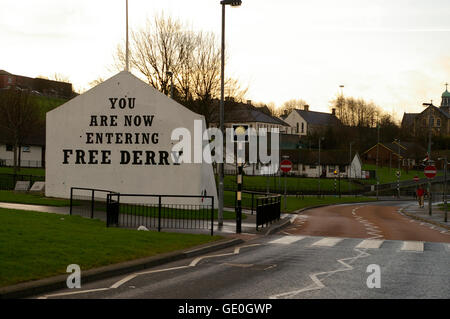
(19, 118)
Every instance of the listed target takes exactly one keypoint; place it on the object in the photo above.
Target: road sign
(430, 171)
(416, 178)
(286, 166)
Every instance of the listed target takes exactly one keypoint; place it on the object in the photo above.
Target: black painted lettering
(113, 120)
(89, 138)
(155, 139)
(128, 119)
(105, 157)
(113, 101)
(137, 157)
(145, 138)
(124, 157)
(103, 120)
(93, 120)
(92, 157)
(131, 101)
(109, 136)
(98, 138)
(148, 120)
(128, 139)
(163, 158)
(119, 138)
(150, 158)
(137, 120)
(66, 156)
(80, 157)
(122, 103)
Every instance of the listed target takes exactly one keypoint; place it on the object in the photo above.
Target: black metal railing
(268, 210)
(8, 181)
(160, 211)
(89, 202)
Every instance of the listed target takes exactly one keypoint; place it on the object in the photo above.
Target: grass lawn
(388, 176)
(294, 203)
(38, 245)
(298, 184)
(23, 171)
(33, 199)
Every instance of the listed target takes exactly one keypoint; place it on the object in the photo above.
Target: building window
(9, 80)
(438, 122)
(9, 148)
(432, 122)
(303, 127)
(297, 128)
(26, 149)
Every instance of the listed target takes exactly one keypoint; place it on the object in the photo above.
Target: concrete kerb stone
(411, 215)
(33, 288)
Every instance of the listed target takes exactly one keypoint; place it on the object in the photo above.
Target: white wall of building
(294, 119)
(68, 127)
(31, 156)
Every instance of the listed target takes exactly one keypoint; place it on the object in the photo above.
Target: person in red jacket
(420, 193)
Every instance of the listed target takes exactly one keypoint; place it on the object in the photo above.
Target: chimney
(249, 102)
(306, 107)
(333, 111)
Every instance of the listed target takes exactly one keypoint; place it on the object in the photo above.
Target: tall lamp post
(349, 169)
(233, 3)
(445, 186)
(429, 155)
(319, 168)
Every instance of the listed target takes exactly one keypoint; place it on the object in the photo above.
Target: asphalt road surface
(352, 251)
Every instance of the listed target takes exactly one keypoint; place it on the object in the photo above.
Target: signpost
(286, 167)
(430, 171)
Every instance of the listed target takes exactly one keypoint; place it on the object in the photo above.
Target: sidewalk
(436, 218)
(248, 226)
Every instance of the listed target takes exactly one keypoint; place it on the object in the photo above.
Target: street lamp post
(445, 186)
(349, 169)
(429, 156)
(319, 168)
(222, 84)
(376, 167)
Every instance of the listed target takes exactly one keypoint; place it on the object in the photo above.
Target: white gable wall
(292, 119)
(68, 125)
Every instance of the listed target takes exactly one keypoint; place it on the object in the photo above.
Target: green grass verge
(32, 199)
(38, 245)
(387, 175)
(297, 184)
(23, 171)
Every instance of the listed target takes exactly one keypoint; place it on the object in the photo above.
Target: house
(439, 118)
(30, 154)
(410, 154)
(306, 163)
(304, 122)
(245, 114)
(36, 85)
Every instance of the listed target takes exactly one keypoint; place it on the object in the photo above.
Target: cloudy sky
(396, 53)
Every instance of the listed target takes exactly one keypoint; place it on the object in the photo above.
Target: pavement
(437, 215)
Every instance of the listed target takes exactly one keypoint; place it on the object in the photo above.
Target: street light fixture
(233, 3)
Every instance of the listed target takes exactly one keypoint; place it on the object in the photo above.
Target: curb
(41, 286)
(425, 220)
(277, 228)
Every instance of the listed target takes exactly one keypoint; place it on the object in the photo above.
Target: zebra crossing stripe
(412, 246)
(286, 240)
(370, 243)
(327, 242)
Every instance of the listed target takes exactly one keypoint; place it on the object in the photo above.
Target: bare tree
(19, 118)
(290, 105)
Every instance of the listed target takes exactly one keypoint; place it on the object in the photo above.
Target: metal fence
(88, 202)
(268, 210)
(8, 181)
(165, 213)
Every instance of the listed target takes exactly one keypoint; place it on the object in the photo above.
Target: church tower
(445, 104)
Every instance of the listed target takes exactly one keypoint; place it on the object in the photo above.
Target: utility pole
(429, 154)
(376, 168)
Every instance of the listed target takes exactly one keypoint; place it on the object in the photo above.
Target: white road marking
(412, 246)
(132, 276)
(370, 243)
(327, 242)
(286, 240)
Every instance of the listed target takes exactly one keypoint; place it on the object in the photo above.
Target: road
(328, 252)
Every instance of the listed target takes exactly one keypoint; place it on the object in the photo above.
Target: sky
(394, 53)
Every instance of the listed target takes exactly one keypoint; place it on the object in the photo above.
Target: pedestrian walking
(420, 194)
